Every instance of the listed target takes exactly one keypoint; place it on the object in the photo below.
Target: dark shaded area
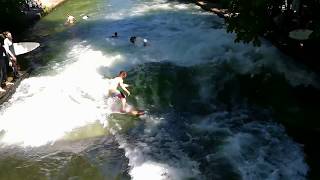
(17, 15)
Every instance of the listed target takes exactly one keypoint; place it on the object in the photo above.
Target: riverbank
(10, 89)
(40, 8)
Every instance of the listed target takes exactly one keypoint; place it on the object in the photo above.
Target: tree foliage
(12, 16)
(250, 19)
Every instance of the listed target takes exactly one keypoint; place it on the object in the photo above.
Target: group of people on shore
(8, 60)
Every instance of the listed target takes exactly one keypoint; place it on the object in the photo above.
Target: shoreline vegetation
(280, 33)
(18, 15)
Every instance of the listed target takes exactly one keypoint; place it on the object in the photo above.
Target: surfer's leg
(123, 104)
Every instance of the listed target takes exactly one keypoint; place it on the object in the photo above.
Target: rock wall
(50, 4)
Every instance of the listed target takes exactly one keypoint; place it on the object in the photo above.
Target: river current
(59, 123)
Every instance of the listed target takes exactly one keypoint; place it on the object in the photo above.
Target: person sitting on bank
(12, 60)
(116, 83)
(70, 20)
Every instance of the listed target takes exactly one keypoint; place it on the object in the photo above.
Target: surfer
(12, 60)
(116, 83)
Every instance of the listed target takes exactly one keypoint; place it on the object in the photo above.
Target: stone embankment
(212, 7)
(35, 9)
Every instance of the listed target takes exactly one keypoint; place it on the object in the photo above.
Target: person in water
(114, 91)
(133, 39)
(85, 17)
(70, 20)
(11, 57)
(115, 35)
(138, 41)
(145, 42)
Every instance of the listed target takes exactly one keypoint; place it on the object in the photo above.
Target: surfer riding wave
(114, 91)
(116, 88)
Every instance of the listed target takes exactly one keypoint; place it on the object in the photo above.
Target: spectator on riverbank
(3, 66)
(11, 58)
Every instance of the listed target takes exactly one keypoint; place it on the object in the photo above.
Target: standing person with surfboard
(12, 60)
(3, 66)
(116, 83)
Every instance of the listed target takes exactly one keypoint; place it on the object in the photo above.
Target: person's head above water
(133, 39)
(70, 19)
(115, 34)
(123, 74)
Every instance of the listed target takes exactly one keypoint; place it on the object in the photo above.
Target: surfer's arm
(123, 86)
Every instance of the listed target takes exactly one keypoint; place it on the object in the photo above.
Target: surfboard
(24, 47)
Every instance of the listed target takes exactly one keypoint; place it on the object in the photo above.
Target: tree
(12, 16)
(250, 19)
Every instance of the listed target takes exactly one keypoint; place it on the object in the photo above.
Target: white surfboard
(24, 47)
